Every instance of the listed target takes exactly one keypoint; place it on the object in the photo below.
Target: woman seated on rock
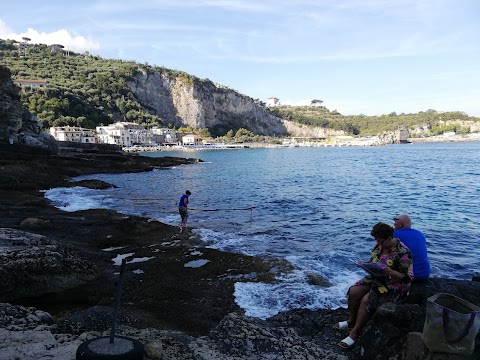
(391, 285)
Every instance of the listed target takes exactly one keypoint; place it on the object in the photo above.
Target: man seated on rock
(415, 241)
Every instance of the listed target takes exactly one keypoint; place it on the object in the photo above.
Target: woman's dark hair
(188, 192)
(382, 231)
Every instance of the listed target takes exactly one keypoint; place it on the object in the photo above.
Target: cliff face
(310, 131)
(10, 107)
(202, 104)
(17, 125)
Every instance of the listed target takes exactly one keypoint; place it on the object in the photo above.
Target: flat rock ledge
(395, 333)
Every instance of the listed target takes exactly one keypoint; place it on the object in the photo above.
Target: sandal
(342, 325)
(347, 343)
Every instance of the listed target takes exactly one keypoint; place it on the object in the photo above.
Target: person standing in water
(183, 209)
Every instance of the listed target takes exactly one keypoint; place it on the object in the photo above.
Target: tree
(26, 39)
(243, 132)
(204, 133)
(316, 102)
(259, 102)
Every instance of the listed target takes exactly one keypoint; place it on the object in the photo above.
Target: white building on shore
(124, 134)
(191, 139)
(74, 133)
(165, 136)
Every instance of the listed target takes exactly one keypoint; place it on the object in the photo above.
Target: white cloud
(72, 42)
(4, 29)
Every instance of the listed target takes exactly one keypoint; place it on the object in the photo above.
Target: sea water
(314, 207)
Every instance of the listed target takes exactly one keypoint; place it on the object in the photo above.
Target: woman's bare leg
(355, 296)
(362, 317)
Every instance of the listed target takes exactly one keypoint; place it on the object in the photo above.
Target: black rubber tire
(85, 353)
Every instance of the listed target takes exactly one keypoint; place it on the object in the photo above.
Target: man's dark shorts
(183, 212)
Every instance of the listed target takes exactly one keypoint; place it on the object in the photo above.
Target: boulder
(91, 184)
(168, 347)
(32, 265)
(35, 223)
(414, 347)
(29, 334)
(467, 290)
(318, 280)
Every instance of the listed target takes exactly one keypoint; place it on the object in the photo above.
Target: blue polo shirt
(182, 202)
(417, 244)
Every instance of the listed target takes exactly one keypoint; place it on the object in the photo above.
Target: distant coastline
(337, 142)
(453, 138)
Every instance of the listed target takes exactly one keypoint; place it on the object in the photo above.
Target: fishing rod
(229, 209)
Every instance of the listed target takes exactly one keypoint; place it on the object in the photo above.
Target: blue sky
(358, 56)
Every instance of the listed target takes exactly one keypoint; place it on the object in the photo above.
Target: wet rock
(92, 184)
(19, 162)
(35, 223)
(32, 265)
(316, 279)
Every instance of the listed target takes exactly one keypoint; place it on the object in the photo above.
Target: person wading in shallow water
(183, 209)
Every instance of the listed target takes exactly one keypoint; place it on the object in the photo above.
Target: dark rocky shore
(58, 284)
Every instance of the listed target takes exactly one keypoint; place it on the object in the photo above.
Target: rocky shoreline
(58, 284)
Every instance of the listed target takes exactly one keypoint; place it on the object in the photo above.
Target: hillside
(428, 123)
(85, 90)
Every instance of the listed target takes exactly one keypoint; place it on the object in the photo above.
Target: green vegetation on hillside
(431, 120)
(83, 90)
(316, 116)
(87, 91)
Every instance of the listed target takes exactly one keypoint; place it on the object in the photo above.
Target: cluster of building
(124, 134)
(22, 46)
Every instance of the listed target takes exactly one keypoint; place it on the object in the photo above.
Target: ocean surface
(314, 207)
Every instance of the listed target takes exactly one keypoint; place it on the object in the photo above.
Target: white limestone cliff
(183, 101)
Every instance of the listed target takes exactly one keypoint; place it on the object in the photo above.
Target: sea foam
(77, 198)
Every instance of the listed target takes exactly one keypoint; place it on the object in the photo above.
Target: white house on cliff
(273, 101)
